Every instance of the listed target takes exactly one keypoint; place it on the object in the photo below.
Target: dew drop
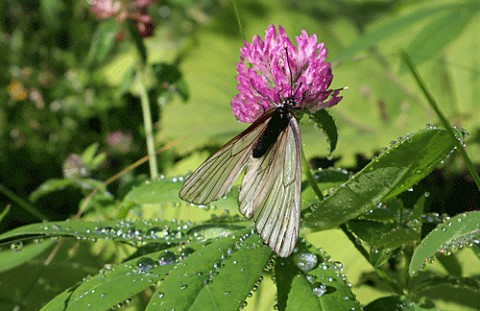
(319, 289)
(306, 261)
(145, 264)
(16, 246)
(167, 258)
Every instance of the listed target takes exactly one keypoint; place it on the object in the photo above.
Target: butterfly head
(289, 102)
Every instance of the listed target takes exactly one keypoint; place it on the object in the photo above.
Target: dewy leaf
(385, 231)
(436, 282)
(111, 287)
(457, 232)
(392, 173)
(19, 254)
(219, 276)
(325, 121)
(118, 230)
(399, 303)
(308, 280)
(165, 191)
(156, 191)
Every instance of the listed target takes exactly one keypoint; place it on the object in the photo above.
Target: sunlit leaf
(325, 121)
(439, 32)
(308, 280)
(390, 174)
(119, 230)
(20, 254)
(399, 303)
(165, 191)
(217, 277)
(113, 286)
(457, 232)
(392, 27)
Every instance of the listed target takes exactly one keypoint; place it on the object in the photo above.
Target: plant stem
(29, 208)
(147, 121)
(443, 119)
(310, 178)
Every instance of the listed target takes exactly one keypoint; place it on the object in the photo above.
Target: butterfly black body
(277, 124)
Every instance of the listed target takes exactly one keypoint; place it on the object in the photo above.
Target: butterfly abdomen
(277, 124)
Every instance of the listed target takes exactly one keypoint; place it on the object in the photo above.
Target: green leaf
(451, 264)
(156, 192)
(219, 276)
(4, 213)
(111, 287)
(432, 282)
(20, 254)
(127, 81)
(385, 231)
(393, 172)
(456, 290)
(55, 185)
(385, 213)
(440, 31)
(308, 280)
(169, 74)
(399, 303)
(454, 233)
(89, 153)
(135, 232)
(103, 41)
(138, 41)
(326, 180)
(476, 250)
(392, 27)
(165, 192)
(325, 122)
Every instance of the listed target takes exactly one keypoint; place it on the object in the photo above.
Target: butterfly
(270, 150)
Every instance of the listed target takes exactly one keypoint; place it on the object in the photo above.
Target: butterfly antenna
(289, 69)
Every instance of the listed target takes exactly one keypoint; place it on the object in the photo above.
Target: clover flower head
(135, 11)
(104, 9)
(273, 69)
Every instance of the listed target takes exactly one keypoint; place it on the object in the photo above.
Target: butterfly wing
(271, 191)
(217, 174)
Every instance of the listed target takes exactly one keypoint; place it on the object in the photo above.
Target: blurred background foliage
(68, 81)
(69, 104)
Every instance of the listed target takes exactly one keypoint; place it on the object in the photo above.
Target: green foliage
(396, 170)
(71, 118)
(453, 234)
(325, 121)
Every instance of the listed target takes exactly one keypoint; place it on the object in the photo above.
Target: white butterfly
(270, 149)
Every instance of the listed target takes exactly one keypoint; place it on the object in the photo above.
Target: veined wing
(217, 174)
(271, 191)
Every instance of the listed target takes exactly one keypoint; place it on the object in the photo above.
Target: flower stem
(147, 121)
(310, 178)
(443, 119)
(27, 206)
